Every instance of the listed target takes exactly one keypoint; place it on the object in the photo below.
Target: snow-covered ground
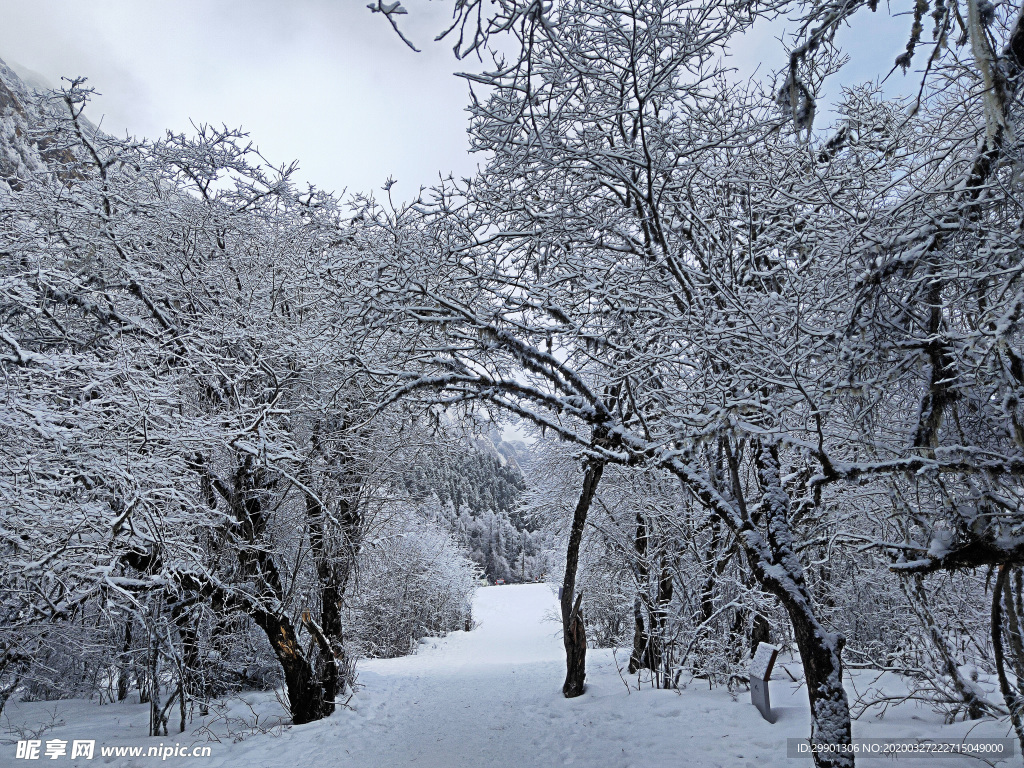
(490, 698)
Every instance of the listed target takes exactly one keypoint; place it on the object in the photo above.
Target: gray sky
(321, 81)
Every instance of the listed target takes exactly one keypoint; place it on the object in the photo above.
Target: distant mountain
(27, 140)
(34, 80)
(21, 113)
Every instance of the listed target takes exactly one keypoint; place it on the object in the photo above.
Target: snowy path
(492, 698)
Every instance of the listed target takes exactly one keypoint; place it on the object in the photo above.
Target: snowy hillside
(19, 153)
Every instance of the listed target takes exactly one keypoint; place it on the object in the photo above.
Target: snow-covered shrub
(62, 664)
(234, 657)
(413, 582)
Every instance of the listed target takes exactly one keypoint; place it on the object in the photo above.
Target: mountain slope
(20, 122)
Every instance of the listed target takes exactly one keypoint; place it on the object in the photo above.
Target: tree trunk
(575, 652)
(306, 699)
(723, 550)
(640, 658)
(14, 664)
(124, 663)
(821, 656)
(778, 569)
(574, 636)
(191, 673)
(760, 632)
(153, 673)
(334, 554)
(1013, 632)
(660, 659)
(181, 702)
(649, 644)
(1013, 702)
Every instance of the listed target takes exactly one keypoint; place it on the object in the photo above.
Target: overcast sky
(323, 82)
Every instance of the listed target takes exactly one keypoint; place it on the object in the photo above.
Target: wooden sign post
(760, 672)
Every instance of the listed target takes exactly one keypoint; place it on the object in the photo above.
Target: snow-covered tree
(670, 270)
(189, 426)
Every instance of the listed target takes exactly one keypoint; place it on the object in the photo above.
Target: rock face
(21, 155)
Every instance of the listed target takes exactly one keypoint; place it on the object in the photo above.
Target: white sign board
(760, 670)
(763, 661)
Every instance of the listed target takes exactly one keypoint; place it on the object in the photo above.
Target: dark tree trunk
(575, 652)
(723, 550)
(153, 676)
(124, 665)
(219, 680)
(640, 658)
(821, 656)
(649, 644)
(760, 632)
(8, 690)
(780, 572)
(659, 618)
(305, 694)
(334, 554)
(331, 657)
(14, 664)
(306, 698)
(193, 674)
(328, 633)
(573, 631)
(1012, 699)
(1013, 631)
